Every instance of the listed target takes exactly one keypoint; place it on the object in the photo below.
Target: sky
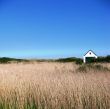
(54, 28)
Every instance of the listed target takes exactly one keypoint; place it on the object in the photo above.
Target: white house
(89, 55)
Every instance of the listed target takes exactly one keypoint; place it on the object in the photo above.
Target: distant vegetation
(103, 59)
(4, 60)
(70, 59)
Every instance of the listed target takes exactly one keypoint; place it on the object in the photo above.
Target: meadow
(53, 85)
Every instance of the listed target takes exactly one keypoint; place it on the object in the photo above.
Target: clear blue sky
(54, 28)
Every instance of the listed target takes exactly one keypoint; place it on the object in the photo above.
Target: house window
(90, 53)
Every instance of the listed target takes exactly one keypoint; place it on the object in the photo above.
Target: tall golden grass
(53, 86)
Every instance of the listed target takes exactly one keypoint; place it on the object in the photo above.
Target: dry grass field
(54, 86)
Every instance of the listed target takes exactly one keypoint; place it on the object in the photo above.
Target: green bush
(103, 59)
(79, 61)
(71, 59)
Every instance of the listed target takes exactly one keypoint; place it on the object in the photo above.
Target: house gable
(90, 53)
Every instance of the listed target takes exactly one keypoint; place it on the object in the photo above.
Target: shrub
(79, 61)
(103, 59)
(71, 59)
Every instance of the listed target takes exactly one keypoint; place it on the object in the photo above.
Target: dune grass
(54, 86)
